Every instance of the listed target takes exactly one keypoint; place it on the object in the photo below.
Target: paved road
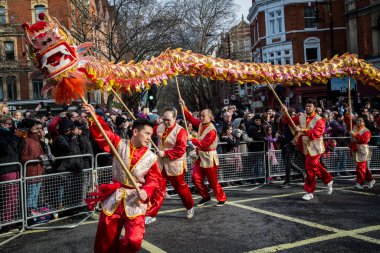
(264, 219)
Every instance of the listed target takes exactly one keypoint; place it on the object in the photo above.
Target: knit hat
(119, 120)
(65, 124)
(153, 117)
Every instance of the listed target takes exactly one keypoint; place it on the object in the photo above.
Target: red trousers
(211, 174)
(314, 169)
(180, 186)
(109, 229)
(363, 173)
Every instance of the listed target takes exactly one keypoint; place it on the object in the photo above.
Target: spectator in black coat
(10, 148)
(257, 133)
(66, 144)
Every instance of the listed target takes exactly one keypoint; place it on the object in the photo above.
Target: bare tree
(137, 30)
(199, 31)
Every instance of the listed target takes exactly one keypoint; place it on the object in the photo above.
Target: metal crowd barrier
(337, 161)
(51, 194)
(38, 197)
(11, 201)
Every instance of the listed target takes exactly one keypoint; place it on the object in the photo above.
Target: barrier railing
(11, 196)
(39, 197)
(51, 194)
(337, 160)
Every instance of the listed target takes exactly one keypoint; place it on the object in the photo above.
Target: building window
(309, 17)
(37, 87)
(312, 50)
(11, 86)
(275, 21)
(279, 55)
(37, 10)
(3, 19)
(9, 51)
(1, 89)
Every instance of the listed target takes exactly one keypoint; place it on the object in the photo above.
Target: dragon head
(50, 46)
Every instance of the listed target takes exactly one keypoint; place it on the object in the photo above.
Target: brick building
(285, 32)
(236, 45)
(16, 85)
(363, 33)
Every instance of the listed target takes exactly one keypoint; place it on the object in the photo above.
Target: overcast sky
(244, 8)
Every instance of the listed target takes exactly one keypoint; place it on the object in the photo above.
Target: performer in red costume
(310, 127)
(172, 140)
(121, 204)
(360, 150)
(207, 163)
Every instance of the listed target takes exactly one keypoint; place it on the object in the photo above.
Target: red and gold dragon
(69, 73)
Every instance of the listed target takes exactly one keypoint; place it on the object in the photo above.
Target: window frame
(6, 52)
(310, 43)
(278, 55)
(40, 84)
(308, 18)
(13, 88)
(3, 16)
(37, 12)
(275, 21)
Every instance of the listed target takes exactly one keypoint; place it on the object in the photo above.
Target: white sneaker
(330, 187)
(190, 213)
(371, 183)
(358, 186)
(149, 220)
(308, 196)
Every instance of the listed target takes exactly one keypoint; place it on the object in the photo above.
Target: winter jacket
(32, 150)
(65, 145)
(10, 147)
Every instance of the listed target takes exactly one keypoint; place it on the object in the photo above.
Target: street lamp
(317, 21)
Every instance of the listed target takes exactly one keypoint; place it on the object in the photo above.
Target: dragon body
(70, 74)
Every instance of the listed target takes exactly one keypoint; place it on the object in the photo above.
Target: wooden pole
(282, 105)
(349, 101)
(130, 113)
(114, 151)
(182, 110)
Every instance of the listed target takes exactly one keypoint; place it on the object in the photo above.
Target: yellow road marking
(151, 248)
(357, 192)
(352, 233)
(285, 217)
(269, 197)
(34, 231)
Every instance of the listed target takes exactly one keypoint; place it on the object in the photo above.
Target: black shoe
(221, 203)
(203, 201)
(285, 185)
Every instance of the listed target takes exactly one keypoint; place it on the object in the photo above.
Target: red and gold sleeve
(363, 138)
(194, 121)
(206, 142)
(180, 146)
(318, 130)
(152, 179)
(98, 137)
